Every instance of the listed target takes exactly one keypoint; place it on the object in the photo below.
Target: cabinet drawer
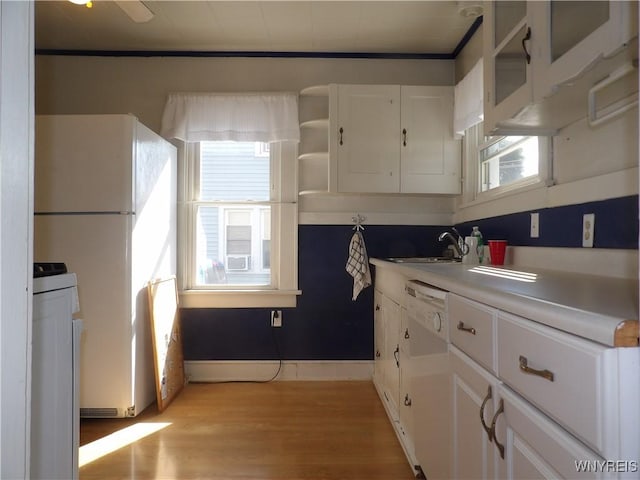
(472, 329)
(561, 374)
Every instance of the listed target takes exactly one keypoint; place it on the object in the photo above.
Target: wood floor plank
(270, 431)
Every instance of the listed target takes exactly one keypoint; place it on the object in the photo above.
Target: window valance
(468, 103)
(241, 117)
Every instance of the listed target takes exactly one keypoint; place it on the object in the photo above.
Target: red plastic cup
(497, 249)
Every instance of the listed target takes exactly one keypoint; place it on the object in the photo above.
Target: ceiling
(381, 27)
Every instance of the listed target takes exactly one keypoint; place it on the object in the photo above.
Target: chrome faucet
(459, 247)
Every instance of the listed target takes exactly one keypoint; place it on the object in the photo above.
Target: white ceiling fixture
(137, 11)
(470, 8)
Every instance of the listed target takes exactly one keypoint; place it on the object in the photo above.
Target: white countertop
(590, 306)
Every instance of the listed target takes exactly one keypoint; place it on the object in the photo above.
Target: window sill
(238, 298)
(510, 190)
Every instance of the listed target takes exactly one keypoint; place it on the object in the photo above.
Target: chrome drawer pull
(532, 371)
(461, 326)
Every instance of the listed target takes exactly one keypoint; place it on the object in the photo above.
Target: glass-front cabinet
(508, 79)
(535, 49)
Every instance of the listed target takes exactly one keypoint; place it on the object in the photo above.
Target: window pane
(507, 15)
(592, 15)
(232, 171)
(510, 68)
(508, 160)
(230, 249)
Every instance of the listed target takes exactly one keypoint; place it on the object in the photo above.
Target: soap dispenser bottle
(475, 232)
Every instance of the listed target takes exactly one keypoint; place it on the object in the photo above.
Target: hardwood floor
(270, 431)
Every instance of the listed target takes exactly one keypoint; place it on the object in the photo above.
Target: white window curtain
(468, 100)
(240, 117)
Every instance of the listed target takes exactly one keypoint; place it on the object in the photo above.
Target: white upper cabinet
(507, 70)
(393, 139)
(367, 138)
(543, 60)
(429, 155)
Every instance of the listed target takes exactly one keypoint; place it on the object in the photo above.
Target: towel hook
(358, 219)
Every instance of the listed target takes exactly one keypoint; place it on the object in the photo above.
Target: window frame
(283, 290)
(473, 141)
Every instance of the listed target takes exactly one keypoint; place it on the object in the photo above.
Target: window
(239, 230)
(233, 220)
(506, 160)
(499, 165)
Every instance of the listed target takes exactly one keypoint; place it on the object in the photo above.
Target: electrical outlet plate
(588, 229)
(535, 225)
(276, 318)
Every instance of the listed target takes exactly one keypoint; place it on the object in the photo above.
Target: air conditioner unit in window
(238, 263)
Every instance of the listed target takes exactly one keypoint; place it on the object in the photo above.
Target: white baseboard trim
(247, 370)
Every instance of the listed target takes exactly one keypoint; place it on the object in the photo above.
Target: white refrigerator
(105, 204)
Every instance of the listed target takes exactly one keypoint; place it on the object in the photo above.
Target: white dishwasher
(430, 377)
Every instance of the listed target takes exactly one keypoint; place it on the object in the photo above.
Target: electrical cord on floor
(275, 375)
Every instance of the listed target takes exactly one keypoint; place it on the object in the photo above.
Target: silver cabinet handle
(486, 427)
(341, 132)
(524, 367)
(407, 400)
(493, 428)
(470, 330)
(404, 137)
(396, 354)
(406, 333)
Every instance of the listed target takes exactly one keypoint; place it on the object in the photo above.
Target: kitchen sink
(421, 260)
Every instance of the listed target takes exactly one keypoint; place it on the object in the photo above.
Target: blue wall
(328, 325)
(616, 225)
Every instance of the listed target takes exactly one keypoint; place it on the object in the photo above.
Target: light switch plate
(588, 229)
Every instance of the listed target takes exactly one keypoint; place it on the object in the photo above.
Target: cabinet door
(574, 34)
(474, 392)
(535, 447)
(507, 70)
(406, 372)
(379, 341)
(367, 137)
(429, 155)
(391, 358)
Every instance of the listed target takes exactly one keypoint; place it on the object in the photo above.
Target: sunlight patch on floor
(104, 446)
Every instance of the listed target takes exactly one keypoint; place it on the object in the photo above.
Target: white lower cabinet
(474, 393)
(387, 362)
(550, 408)
(503, 397)
(499, 435)
(535, 447)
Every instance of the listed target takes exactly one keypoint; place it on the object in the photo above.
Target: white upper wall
(70, 84)
(75, 84)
